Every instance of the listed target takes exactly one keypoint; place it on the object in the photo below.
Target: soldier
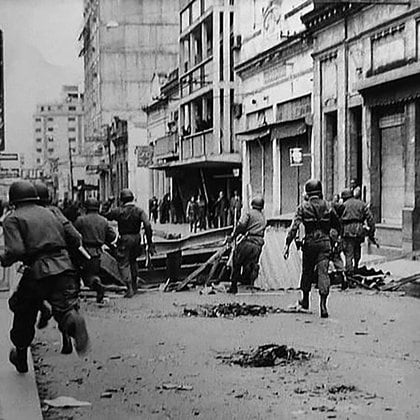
(33, 235)
(73, 242)
(235, 206)
(318, 218)
(96, 232)
(247, 253)
(354, 213)
(130, 218)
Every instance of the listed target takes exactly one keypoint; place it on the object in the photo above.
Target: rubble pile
(231, 309)
(265, 356)
(368, 278)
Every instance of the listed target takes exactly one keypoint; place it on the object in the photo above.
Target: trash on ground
(234, 309)
(64, 402)
(178, 387)
(265, 356)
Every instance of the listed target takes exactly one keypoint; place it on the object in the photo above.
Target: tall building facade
(61, 155)
(275, 74)
(124, 44)
(367, 109)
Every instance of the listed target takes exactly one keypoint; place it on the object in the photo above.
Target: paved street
(371, 342)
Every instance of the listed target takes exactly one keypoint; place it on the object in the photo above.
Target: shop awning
(253, 135)
(289, 129)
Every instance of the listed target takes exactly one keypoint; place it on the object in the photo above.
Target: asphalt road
(370, 342)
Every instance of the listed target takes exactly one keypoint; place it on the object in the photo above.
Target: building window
(50, 150)
(50, 139)
(72, 128)
(72, 139)
(42, 108)
(185, 19)
(38, 150)
(72, 108)
(50, 129)
(50, 119)
(71, 119)
(37, 130)
(38, 161)
(195, 10)
(38, 140)
(73, 150)
(49, 108)
(38, 119)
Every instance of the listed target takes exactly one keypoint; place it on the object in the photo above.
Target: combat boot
(75, 326)
(100, 292)
(19, 358)
(233, 288)
(130, 292)
(304, 302)
(323, 306)
(67, 347)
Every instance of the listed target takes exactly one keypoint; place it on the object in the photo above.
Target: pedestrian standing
(34, 236)
(354, 214)
(130, 219)
(251, 229)
(220, 210)
(201, 206)
(96, 232)
(318, 217)
(192, 214)
(154, 207)
(235, 207)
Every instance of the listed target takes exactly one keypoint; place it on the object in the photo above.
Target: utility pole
(71, 171)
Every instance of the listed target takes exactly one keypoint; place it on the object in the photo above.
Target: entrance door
(392, 169)
(293, 178)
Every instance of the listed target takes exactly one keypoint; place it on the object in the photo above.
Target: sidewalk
(18, 392)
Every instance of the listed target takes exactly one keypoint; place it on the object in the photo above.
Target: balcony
(197, 145)
(166, 147)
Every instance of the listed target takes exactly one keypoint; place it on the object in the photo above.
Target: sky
(40, 55)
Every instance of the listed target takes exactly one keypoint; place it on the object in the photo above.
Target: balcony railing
(166, 146)
(197, 144)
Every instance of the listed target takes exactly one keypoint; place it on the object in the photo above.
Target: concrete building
(275, 73)
(61, 154)
(162, 130)
(366, 109)
(207, 156)
(124, 44)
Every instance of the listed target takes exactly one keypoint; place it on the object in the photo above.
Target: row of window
(50, 139)
(70, 119)
(59, 107)
(39, 130)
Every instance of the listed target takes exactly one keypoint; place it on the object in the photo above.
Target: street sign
(9, 156)
(296, 156)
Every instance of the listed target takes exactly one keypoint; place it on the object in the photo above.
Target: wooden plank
(200, 269)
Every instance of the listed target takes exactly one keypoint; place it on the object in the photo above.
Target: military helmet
(42, 192)
(257, 202)
(313, 187)
(346, 194)
(22, 191)
(92, 204)
(126, 195)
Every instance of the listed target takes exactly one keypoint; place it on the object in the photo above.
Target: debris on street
(64, 402)
(177, 387)
(265, 356)
(235, 309)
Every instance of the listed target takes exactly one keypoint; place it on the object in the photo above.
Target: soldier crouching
(318, 218)
(34, 236)
(247, 253)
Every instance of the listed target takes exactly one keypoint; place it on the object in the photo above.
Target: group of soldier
(56, 253)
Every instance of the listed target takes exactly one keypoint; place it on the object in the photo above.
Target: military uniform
(34, 236)
(318, 217)
(251, 225)
(96, 232)
(130, 218)
(353, 214)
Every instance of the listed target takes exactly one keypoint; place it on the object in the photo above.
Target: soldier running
(33, 235)
(354, 213)
(96, 232)
(130, 218)
(318, 218)
(247, 253)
